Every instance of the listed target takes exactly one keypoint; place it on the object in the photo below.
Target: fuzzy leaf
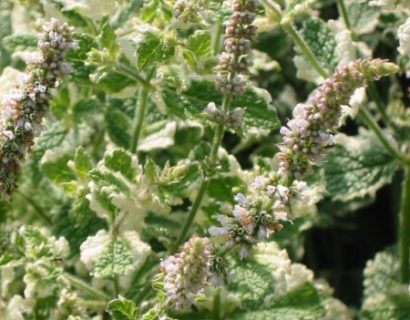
(252, 283)
(108, 39)
(152, 48)
(320, 39)
(395, 306)
(363, 17)
(82, 162)
(20, 42)
(123, 309)
(357, 167)
(198, 46)
(149, 11)
(191, 103)
(57, 170)
(116, 260)
(118, 127)
(53, 136)
(302, 303)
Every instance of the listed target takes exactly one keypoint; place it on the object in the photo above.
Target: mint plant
(165, 159)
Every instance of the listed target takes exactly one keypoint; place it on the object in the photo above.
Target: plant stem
(372, 124)
(204, 185)
(217, 304)
(272, 7)
(290, 29)
(82, 285)
(132, 73)
(405, 228)
(342, 9)
(381, 107)
(41, 213)
(139, 118)
(216, 41)
(93, 304)
(192, 213)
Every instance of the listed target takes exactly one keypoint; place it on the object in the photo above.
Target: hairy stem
(372, 124)
(139, 118)
(405, 228)
(290, 29)
(93, 304)
(342, 9)
(132, 73)
(216, 41)
(381, 107)
(37, 208)
(204, 185)
(82, 285)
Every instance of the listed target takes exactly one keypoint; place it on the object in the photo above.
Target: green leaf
(357, 167)
(293, 4)
(118, 127)
(113, 82)
(82, 162)
(150, 10)
(153, 47)
(20, 42)
(123, 309)
(52, 137)
(121, 161)
(57, 169)
(77, 58)
(259, 112)
(197, 47)
(83, 109)
(252, 282)
(73, 17)
(76, 223)
(116, 260)
(108, 39)
(381, 274)
(363, 17)
(395, 306)
(302, 303)
(320, 39)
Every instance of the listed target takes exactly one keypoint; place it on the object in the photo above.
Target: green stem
(192, 213)
(272, 6)
(217, 304)
(290, 29)
(405, 228)
(139, 119)
(38, 209)
(82, 285)
(204, 185)
(372, 124)
(343, 11)
(132, 73)
(216, 41)
(381, 107)
(93, 304)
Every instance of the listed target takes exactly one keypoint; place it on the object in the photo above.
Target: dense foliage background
(104, 192)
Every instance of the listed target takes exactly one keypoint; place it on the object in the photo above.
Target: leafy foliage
(359, 166)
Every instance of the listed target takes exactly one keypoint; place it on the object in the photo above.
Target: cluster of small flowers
(232, 119)
(307, 135)
(187, 10)
(187, 273)
(270, 200)
(260, 213)
(24, 108)
(234, 61)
